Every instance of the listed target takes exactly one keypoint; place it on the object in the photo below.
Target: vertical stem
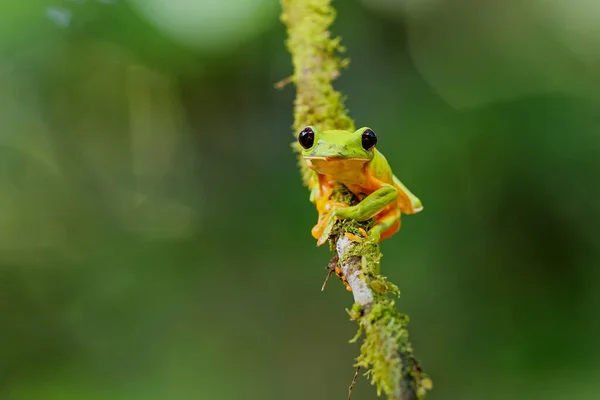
(316, 64)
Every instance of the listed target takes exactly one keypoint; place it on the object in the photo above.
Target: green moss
(380, 349)
(386, 351)
(382, 286)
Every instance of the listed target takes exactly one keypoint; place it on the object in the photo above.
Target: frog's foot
(318, 229)
(375, 235)
(386, 226)
(326, 231)
(327, 219)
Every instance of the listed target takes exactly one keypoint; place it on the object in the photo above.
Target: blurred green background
(155, 238)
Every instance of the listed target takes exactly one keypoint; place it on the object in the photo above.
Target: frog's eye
(369, 139)
(306, 138)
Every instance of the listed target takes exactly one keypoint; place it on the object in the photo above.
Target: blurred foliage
(155, 238)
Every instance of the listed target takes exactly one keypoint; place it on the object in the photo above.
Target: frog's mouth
(335, 165)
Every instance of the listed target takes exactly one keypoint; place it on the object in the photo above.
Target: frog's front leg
(370, 206)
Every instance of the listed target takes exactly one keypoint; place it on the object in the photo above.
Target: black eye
(369, 139)
(306, 138)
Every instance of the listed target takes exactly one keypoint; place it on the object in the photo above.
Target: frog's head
(342, 148)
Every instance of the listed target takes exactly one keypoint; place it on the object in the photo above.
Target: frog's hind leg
(387, 224)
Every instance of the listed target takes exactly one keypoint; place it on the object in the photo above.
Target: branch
(386, 352)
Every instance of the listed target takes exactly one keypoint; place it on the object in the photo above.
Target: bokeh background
(155, 238)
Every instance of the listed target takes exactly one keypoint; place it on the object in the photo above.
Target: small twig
(327, 277)
(284, 82)
(331, 267)
(352, 383)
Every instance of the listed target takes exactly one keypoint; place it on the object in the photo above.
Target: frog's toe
(375, 234)
(326, 232)
(353, 237)
(322, 239)
(316, 231)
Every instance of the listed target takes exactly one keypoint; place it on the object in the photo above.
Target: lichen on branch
(386, 351)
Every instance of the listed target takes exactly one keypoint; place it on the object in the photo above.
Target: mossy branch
(315, 67)
(386, 352)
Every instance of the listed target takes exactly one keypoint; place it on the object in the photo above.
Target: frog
(335, 157)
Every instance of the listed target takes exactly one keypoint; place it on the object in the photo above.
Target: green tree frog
(350, 158)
